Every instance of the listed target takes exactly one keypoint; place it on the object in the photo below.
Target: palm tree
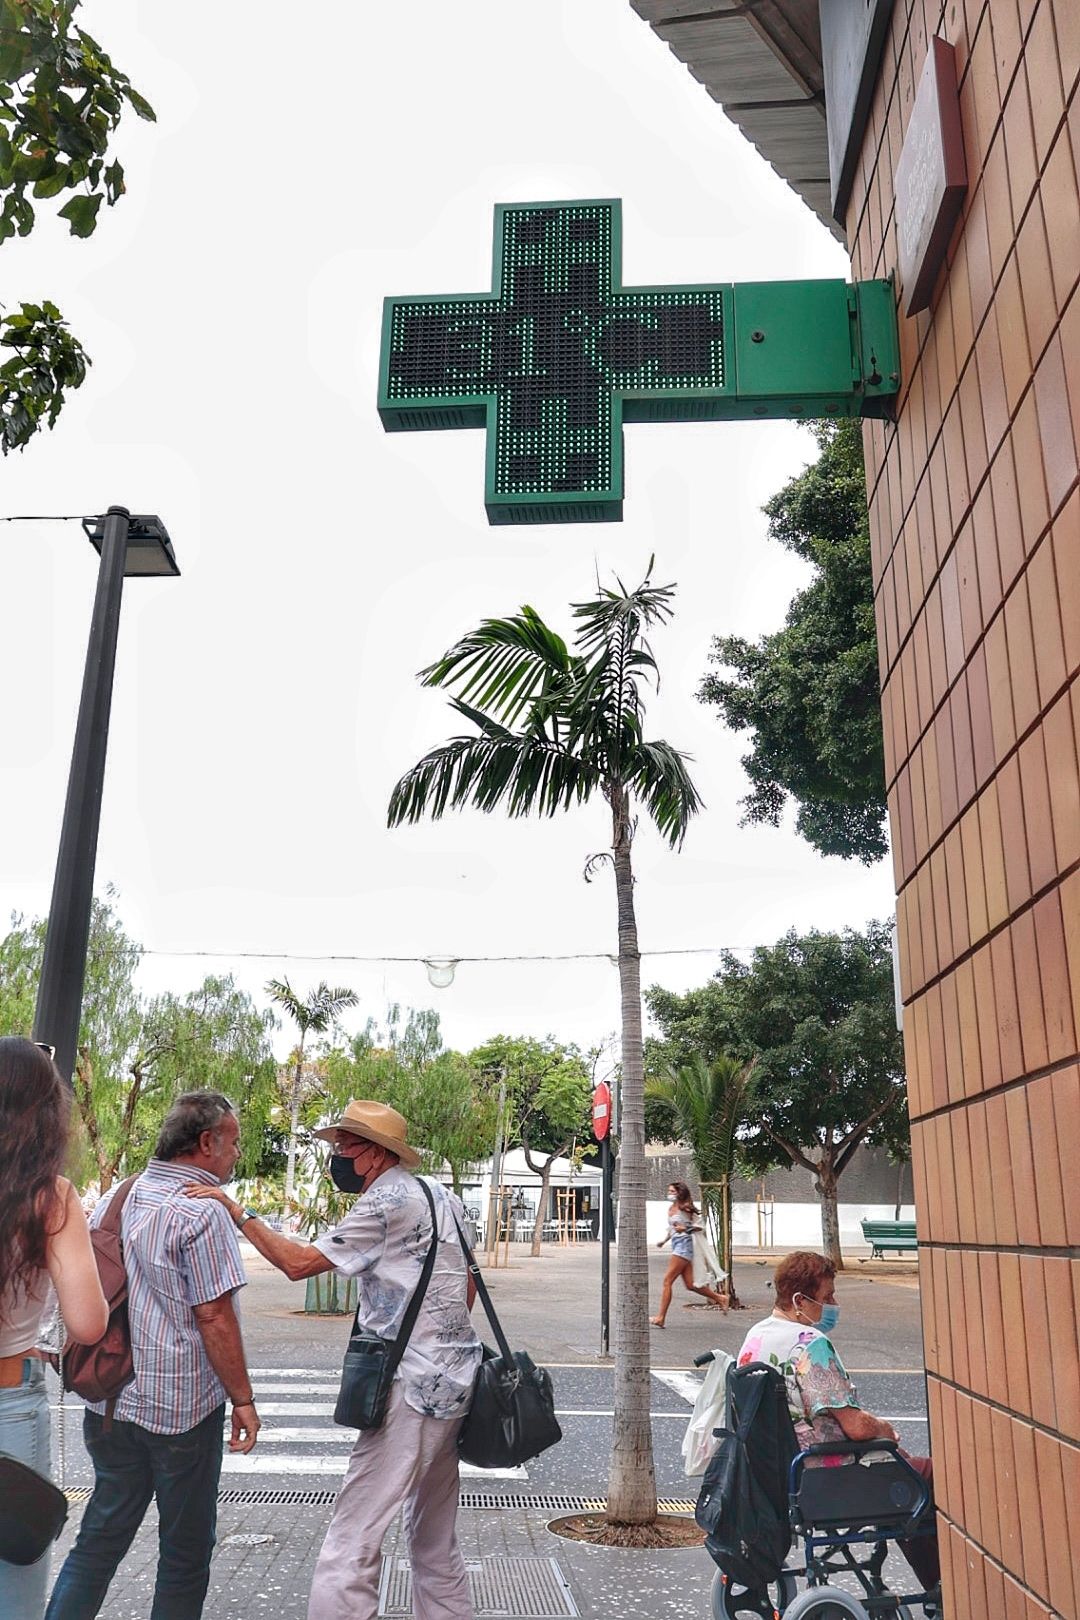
(708, 1104)
(551, 727)
(311, 1017)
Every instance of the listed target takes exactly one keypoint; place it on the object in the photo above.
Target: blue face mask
(830, 1315)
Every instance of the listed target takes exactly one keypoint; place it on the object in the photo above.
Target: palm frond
(503, 665)
(524, 774)
(656, 772)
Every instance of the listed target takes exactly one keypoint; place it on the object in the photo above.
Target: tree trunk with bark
(294, 1125)
(544, 1172)
(632, 1487)
(828, 1191)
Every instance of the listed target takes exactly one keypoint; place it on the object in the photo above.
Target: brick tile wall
(975, 529)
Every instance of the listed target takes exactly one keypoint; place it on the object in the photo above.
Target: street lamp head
(440, 971)
(149, 549)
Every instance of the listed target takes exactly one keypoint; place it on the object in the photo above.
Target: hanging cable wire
(563, 956)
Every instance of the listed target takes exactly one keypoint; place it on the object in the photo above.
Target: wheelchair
(846, 1518)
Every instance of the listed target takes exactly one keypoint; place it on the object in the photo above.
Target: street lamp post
(135, 547)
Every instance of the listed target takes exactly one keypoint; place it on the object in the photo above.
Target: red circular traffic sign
(601, 1110)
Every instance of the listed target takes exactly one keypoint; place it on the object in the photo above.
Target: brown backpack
(98, 1372)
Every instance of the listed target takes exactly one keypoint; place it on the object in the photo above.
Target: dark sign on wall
(852, 37)
(931, 178)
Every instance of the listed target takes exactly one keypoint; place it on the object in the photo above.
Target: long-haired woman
(43, 1239)
(684, 1219)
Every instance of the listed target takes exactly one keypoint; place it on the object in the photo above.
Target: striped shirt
(178, 1253)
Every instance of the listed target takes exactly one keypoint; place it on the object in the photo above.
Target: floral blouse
(816, 1379)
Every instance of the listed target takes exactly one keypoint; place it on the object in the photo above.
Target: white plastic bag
(710, 1412)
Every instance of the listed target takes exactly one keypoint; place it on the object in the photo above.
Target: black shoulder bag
(512, 1416)
(370, 1362)
(33, 1514)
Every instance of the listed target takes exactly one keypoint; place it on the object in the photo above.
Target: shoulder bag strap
(110, 1221)
(485, 1298)
(397, 1348)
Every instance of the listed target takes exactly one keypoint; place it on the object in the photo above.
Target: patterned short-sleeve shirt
(178, 1253)
(816, 1379)
(383, 1241)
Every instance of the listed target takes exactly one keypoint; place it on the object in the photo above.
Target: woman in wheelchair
(796, 1340)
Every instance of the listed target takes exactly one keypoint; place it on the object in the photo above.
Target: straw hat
(375, 1123)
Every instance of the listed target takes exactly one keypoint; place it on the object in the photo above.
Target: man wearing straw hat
(411, 1460)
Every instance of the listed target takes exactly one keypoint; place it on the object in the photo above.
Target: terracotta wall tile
(1012, 335)
(1029, 992)
(1031, 487)
(986, 1008)
(1016, 1353)
(969, 1465)
(1055, 1524)
(1007, 518)
(993, 853)
(1013, 835)
(963, 753)
(1061, 1033)
(993, 394)
(1023, 1170)
(1070, 913)
(1066, 543)
(999, 685)
(1038, 825)
(1062, 216)
(974, 882)
(1008, 1010)
(969, 1027)
(1036, 280)
(1044, 73)
(1046, 622)
(990, 1310)
(956, 1125)
(1055, 424)
(1018, 635)
(1004, 1468)
(1062, 1348)
(1027, 1491)
(988, 1499)
(1070, 1473)
(1048, 1186)
(1036, 1331)
(955, 1283)
(1067, 1134)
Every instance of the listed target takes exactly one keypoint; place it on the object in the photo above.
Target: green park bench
(882, 1235)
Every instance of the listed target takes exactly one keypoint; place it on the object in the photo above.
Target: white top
(384, 1240)
(21, 1315)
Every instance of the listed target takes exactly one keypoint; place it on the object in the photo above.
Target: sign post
(601, 1119)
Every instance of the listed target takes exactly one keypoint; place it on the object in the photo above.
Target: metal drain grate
(532, 1588)
(278, 1498)
(478, 1501)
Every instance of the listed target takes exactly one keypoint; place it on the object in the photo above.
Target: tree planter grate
(477, 1501)
(529, 1588)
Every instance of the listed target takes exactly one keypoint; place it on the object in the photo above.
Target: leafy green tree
(815, 1013)
(313, 1015)
(710, 1104)
(548, 1093)
(810, 692)
(213, 1038)
(548, 729)
(108, 1030)
(61, 100)
(449, 1106)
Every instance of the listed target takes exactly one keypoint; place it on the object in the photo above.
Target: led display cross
(560, 354)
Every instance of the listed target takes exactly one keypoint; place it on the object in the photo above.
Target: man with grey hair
(163, 1439)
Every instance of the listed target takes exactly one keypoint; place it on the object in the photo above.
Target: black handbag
(33, 1514)
(512, 1416)
(370, 1362)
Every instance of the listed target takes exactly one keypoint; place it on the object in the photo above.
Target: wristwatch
(249, 1215)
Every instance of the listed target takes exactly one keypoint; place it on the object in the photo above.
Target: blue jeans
(24, 1433)
(131, 1465)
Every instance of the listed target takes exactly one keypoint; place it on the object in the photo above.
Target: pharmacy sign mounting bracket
(559, 355)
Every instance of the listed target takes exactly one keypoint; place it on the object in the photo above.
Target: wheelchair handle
(703, 1361)
(851, 1448)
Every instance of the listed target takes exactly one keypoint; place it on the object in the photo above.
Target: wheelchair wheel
(731, 1601)
(825, 1603)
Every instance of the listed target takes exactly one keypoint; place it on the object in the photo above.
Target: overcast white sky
(305, 164)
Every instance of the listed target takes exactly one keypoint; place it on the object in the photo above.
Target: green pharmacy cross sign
(559, 355)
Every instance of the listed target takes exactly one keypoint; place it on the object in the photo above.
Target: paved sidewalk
(273, 1514)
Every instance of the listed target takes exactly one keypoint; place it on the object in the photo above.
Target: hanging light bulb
(440, 970)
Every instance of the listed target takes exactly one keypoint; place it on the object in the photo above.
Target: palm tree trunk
(294, 1125)
(632, 1487)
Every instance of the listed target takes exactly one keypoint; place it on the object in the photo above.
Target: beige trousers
(412, 1461)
